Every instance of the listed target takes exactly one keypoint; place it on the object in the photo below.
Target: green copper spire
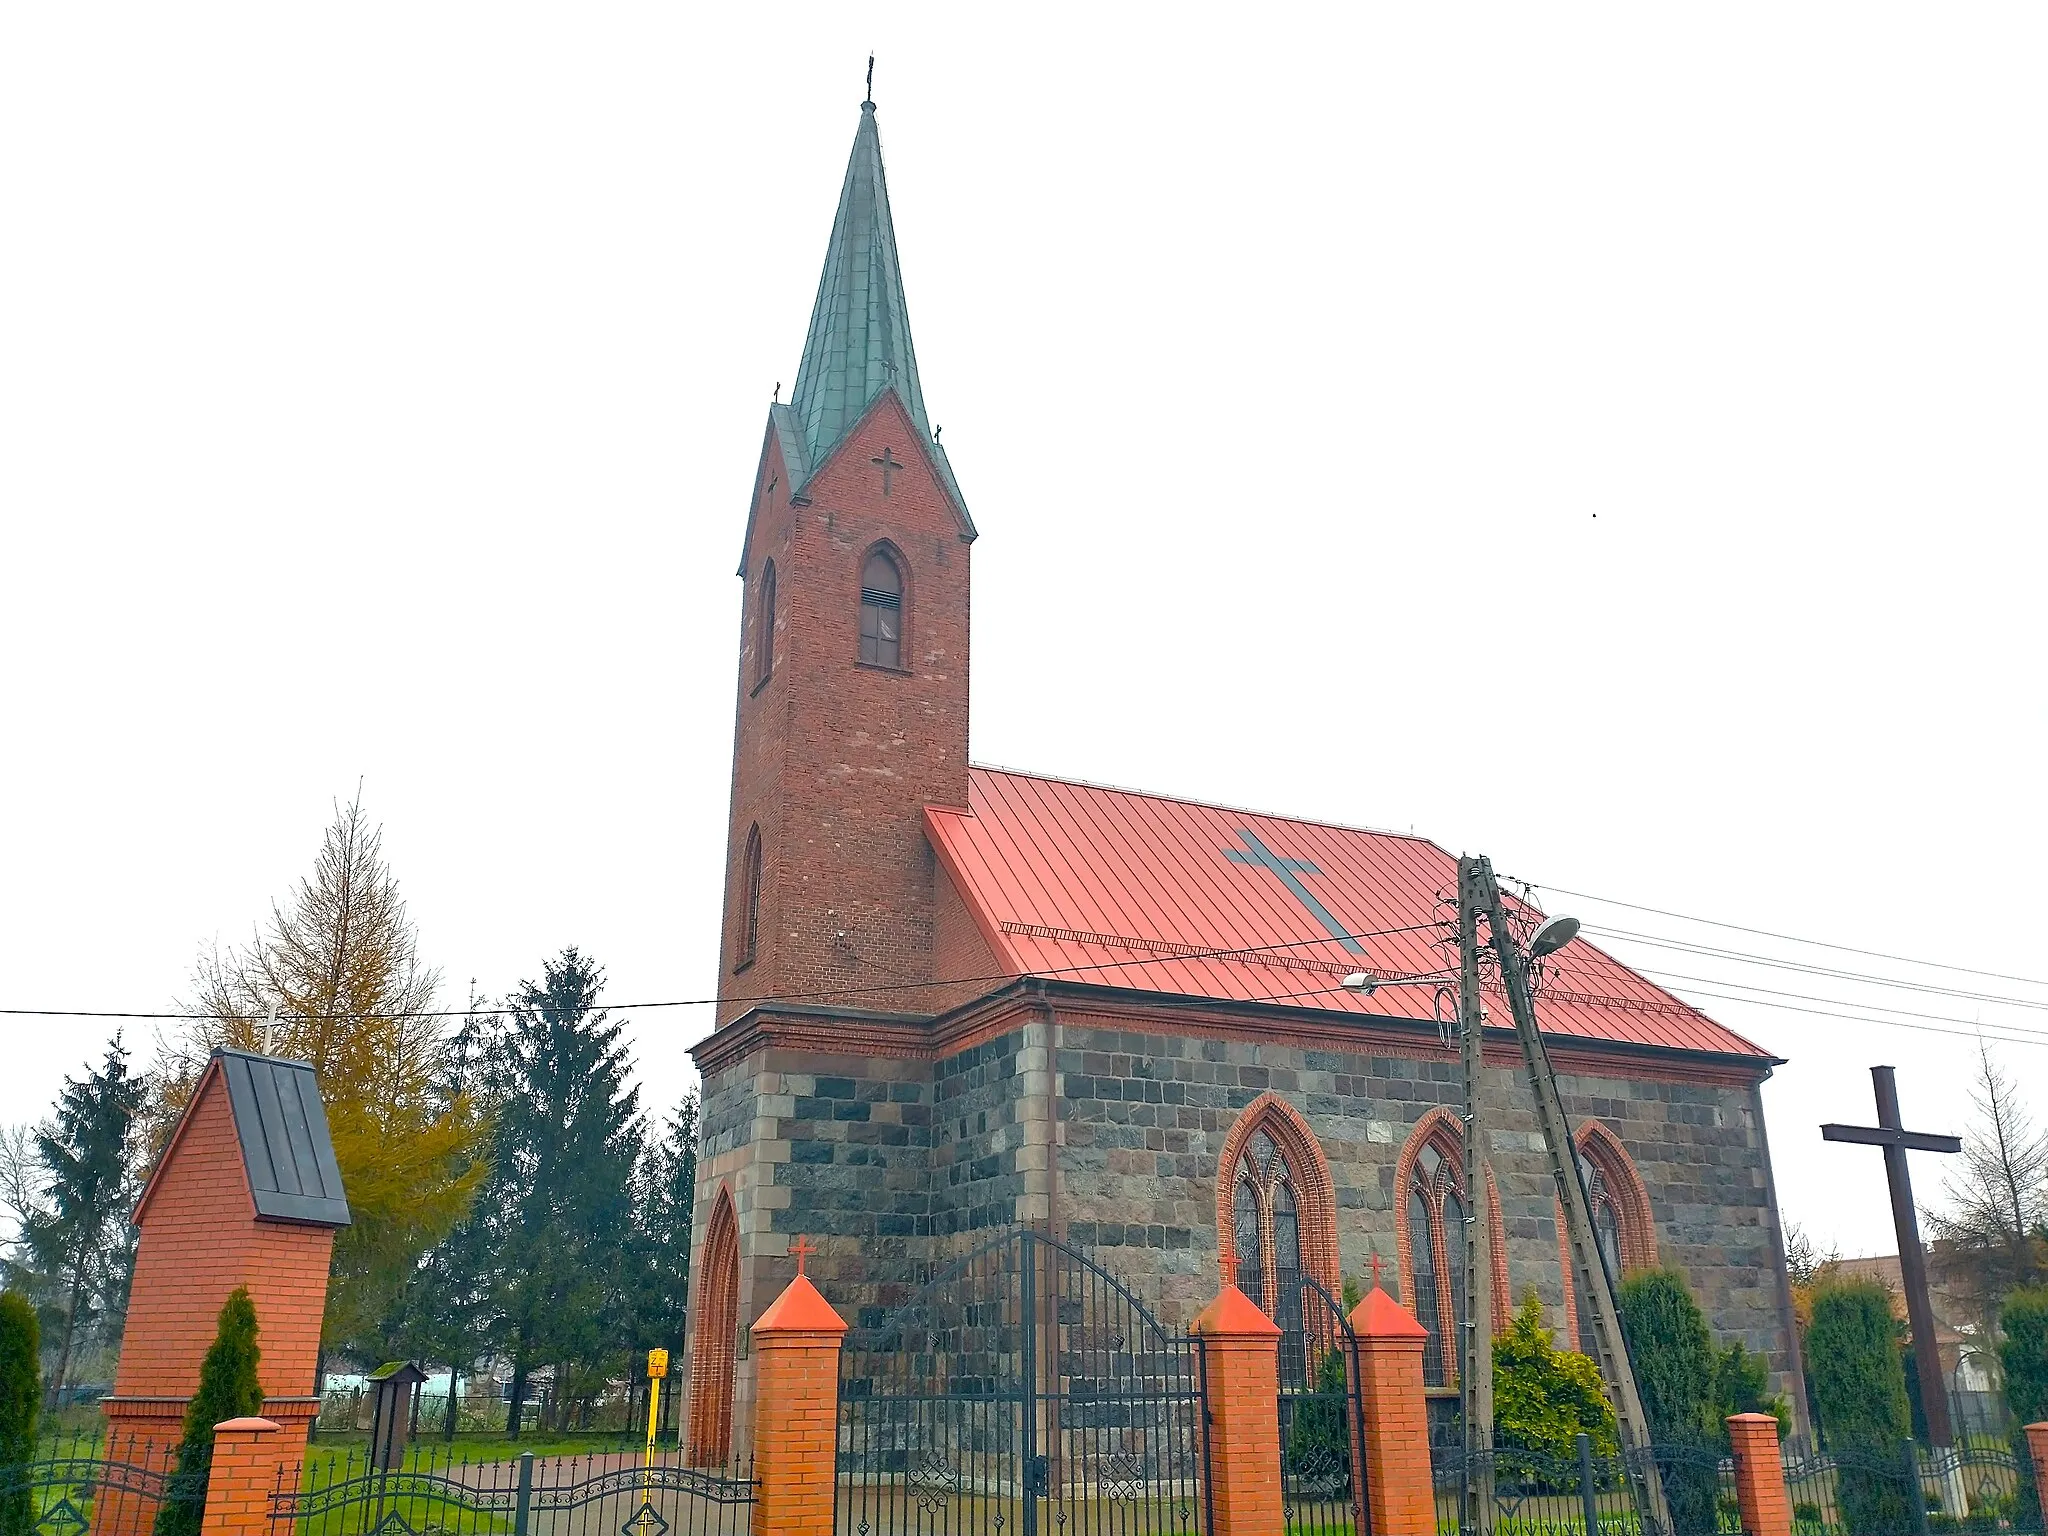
(859, 343)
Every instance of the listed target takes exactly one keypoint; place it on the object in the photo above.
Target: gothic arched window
(881, 611)
(1436, 1253)
(750, 899)
(1621, 1222)
(764, 626)
(1277, 1216)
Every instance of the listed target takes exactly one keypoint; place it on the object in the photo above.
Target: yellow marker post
(657, 1368)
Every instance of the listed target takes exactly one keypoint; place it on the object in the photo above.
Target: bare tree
(21, 1179)
(1989, 1239)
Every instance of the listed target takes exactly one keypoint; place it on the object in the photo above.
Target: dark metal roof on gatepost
(859, 341)
(282, 1126)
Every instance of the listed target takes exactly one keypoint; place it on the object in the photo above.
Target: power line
(1791, 938)
(1987, 1031)
(1747, 957)
(787, 997)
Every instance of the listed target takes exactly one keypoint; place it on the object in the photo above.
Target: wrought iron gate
(1322, 1470)
(1024, 1391)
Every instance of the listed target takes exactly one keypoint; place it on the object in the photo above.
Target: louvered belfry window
(881, 612)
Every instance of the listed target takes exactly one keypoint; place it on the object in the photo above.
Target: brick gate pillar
(2037, 1444)
(1759, 1475)
(1386, 1374)
(243, 1477)
(796, 1410)
(1241, 1380)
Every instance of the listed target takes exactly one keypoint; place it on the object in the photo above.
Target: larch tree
(1989, 1240)
(339, 961)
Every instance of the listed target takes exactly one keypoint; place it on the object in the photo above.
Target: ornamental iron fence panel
(1322, 1473)
(90, 1482)
(435, 1493)
(1024, 1391)
(1585, 1494)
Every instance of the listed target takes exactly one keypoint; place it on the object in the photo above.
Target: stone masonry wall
(1144, 1117)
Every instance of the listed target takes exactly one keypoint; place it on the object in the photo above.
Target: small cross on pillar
(1375, 1271)
(888, 463)
(803, 1248)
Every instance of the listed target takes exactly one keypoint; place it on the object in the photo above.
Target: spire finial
(869, 100)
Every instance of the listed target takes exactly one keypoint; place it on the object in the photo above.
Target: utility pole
(1587, 1261)
(1475, 1367)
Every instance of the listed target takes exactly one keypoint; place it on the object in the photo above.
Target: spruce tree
(228, 1389)
(2023, 1358)
(78, 1241)
(20, 1393)
(665, 1209)
(560, 1191)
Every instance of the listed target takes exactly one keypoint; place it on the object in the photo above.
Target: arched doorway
(714, 1331)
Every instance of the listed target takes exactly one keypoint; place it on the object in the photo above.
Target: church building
(957, 998)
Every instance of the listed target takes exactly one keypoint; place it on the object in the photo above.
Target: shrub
(228, 1389)
(1672, 1352)
(1859, 1386)
(1544, 1397)
(1742, 1384)
(2023, 1353)
(21, 1390)
(2023, 1357)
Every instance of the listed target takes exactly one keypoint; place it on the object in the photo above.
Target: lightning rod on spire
(870, 101)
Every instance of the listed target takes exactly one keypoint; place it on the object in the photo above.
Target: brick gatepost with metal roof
(247, 1193)
(955, 998)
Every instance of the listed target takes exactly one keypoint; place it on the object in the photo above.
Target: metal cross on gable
(888, 463)
(1290, 872)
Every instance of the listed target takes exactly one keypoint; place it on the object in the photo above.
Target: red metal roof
(1125, 889)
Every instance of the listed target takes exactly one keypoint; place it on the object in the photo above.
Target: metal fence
(93, 1482)
(1534, 1494)
(616, 1494)
(1908, 1490)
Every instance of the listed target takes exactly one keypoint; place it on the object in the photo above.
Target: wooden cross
(803, 1248)
(889, 464)
(1896, 1141)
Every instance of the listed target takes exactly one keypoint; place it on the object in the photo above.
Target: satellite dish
(1553, 935)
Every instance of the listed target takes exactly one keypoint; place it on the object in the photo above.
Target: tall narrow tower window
(764, 627)
(750, 899)
(881, 612)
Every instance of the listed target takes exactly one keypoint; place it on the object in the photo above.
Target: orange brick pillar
(796, 1411)
(244, 1475)
(1241, 1379)
(1759, 1475)
(1386, 1369)
(2037, 1445)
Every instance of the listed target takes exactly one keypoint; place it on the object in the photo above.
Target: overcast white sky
(1608, 438)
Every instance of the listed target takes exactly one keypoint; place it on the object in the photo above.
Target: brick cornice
(860, 1032)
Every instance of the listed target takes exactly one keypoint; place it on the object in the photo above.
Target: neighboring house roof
(1125, 889)
(281, 1126)
(1885, 1270)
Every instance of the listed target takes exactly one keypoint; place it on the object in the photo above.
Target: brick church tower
(852, 707)
(955, 999)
